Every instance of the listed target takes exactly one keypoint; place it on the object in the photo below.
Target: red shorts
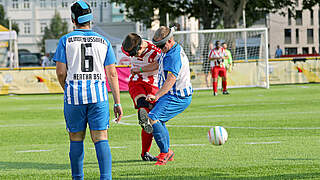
(218, 71)
(137, 88)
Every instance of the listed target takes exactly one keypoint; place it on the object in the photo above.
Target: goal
(249, 49)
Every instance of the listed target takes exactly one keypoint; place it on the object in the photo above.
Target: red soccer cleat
(163, 158)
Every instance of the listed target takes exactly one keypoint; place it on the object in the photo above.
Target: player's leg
(146, 132)
(167, 107)
(138, 92)
(214, 73)
(168, 139)
(98, 120)
(76, 122)
(223, 74)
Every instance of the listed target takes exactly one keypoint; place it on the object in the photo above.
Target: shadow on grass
(32, 165)
(225, 177)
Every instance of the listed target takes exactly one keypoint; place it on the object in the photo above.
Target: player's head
(163, 38)
(217, 44)
(224, 45)
(131, 45)
(81, 13)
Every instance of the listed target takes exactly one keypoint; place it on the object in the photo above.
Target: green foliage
(5, 22)
(143, 10)
(211, 13)
(56, 29)
(273, 134)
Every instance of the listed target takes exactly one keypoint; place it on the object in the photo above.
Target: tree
(308, 4)
(144, 10)
(210, 12)
(206, 11)
(56, 30)
(5, 22)
(255, 9)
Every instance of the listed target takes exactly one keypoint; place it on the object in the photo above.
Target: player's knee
(142, 102)
(77, 136)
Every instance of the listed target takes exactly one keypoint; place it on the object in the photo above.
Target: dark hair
(131, 41)
(76, 11)
(217, 43)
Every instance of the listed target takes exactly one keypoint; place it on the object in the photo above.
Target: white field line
(115, 147)
(191, 126)
(274, 142)
(227, 105)
(32, 151)
(188, 144)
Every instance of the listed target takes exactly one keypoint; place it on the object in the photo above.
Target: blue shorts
(168, 106)
(95, 114)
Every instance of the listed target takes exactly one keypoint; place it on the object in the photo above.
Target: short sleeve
(60, 54)
(110, 57)
(173, 63)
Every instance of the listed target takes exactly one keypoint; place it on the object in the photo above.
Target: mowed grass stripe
(250, 115)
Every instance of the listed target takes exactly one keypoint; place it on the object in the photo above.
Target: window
(64, 4)
(297, 36)
(15, 4)
(26, 4)
(319, 17)
(314, 50)
(43, 27)
(291, 51)
(104, 4)
(309, 36)
(42, 3)
(94, 4)
(53, 3)
(311, 17)
(305, 50)
(289, 17)
(298, 17)
(27, 28)
(287, 36)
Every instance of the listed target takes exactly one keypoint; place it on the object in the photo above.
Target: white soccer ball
(217, 135)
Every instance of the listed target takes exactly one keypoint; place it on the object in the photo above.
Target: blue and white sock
(159, 134)
(104, 159)
(167, 134)
(76, 156)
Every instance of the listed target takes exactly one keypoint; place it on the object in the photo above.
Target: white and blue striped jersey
(176, 62)
(85, 53)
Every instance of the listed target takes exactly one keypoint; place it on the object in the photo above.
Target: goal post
(249, 49)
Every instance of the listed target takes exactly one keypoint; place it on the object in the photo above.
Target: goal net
(249, 49)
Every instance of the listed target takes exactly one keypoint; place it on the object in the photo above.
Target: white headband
(164, 40)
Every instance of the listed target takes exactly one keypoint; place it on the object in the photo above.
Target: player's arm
(112, 77)
(167, 85)
(61, 71)
(150, 67)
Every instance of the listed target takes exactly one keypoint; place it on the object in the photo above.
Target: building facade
(295, 35)
(33, 16)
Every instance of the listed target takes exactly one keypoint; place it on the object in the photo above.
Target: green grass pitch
(273, 134)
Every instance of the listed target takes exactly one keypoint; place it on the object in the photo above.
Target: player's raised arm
(148, 68)
(167, 85)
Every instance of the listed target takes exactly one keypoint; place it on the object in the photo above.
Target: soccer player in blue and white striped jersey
(83, 59)
(175, 90)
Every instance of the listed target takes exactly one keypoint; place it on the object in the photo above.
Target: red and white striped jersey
(217, 53)
(150, 55)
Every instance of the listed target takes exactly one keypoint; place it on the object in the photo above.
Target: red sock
(215, 85)
(146, 141)
(224, 85)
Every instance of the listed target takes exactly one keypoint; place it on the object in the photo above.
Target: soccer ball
(217, 135)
